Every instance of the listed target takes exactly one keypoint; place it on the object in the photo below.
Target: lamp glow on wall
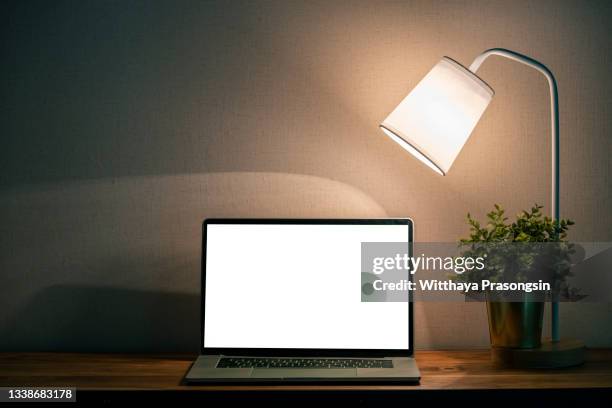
(435, 120)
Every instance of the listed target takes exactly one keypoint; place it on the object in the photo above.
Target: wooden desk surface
(441, 370)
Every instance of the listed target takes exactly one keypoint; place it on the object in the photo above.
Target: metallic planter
(515, 324)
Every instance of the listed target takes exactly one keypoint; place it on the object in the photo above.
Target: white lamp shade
(435, 120)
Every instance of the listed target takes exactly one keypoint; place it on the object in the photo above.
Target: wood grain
(458, 370)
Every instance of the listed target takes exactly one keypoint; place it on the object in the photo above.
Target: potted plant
(518, 251)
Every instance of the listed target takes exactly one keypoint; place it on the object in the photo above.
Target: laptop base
(204, 370)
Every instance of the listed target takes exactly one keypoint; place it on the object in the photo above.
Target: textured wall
(125, 123)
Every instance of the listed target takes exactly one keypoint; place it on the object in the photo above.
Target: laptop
(282, 301)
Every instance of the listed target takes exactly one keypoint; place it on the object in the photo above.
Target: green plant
(530, 226)
(532, 247)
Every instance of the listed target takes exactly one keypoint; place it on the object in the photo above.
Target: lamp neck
(554, 111)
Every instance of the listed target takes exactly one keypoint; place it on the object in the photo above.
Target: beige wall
(109, 103)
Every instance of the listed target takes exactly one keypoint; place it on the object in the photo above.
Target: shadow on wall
(106, 319)
(114, 264)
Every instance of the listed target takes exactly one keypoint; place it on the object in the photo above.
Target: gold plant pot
(515, 324)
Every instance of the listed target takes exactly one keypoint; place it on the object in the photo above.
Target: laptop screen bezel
(303, 352)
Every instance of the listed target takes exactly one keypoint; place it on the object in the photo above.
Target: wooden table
(452, 374)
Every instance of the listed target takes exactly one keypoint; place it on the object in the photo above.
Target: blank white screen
(297, 286)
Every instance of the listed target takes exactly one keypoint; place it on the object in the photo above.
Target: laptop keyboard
(254, 362)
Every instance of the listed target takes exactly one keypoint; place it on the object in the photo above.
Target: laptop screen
(297, 286)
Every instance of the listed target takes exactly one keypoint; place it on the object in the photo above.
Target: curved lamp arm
(554, 116)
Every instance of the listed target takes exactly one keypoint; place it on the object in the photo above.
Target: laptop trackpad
(303, 373)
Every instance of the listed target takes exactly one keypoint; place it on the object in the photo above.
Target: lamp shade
(435, 120)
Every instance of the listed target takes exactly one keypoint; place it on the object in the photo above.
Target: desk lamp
(435, 120)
